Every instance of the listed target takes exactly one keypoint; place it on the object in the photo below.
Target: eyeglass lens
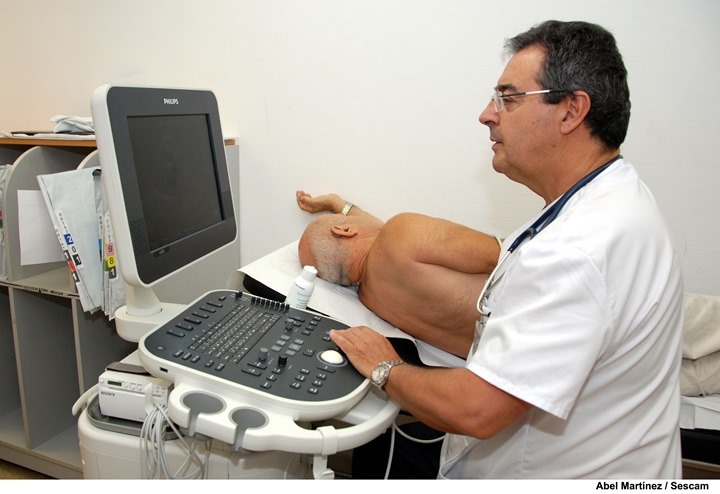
(497, 100)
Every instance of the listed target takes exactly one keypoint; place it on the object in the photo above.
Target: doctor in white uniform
(575, 364)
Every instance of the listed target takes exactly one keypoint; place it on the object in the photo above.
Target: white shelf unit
(51, 351)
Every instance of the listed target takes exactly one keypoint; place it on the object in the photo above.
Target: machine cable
(398, 430)
(153, 460)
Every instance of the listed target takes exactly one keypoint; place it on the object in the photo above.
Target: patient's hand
(332, 203)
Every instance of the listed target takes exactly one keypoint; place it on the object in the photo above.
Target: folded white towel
(73, 125)
(701, 335)
(700, 377)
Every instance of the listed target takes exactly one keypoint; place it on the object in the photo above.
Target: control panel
(263, 351)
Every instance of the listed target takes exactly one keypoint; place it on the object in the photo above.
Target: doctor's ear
(343, 231)
(577, 106)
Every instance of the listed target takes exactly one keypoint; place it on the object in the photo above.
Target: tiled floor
(11, 471)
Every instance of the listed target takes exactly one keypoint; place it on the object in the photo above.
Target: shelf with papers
(54, 282)
(51, 350)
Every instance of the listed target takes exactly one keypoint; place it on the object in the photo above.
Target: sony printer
(128, 391)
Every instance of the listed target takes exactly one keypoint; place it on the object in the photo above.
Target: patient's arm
(441, 242)
(330, 203)
(424, 275)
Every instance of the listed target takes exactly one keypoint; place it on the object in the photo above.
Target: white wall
(378, 99)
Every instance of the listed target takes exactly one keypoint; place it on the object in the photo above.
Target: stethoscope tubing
(540, 224)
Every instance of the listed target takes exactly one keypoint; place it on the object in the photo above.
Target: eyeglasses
(498, 98)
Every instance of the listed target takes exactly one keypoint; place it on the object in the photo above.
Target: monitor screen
(165, 178)
(173, 158)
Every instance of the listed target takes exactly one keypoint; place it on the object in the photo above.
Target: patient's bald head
(329, 241)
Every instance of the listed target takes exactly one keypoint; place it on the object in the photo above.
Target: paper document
(48, 135)
(4, 172)
(38, 244)
(74, 202)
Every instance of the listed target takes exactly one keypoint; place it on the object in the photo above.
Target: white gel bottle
(302, 288)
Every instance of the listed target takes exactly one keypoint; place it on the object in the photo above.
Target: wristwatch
(381, 372)
(346, 209)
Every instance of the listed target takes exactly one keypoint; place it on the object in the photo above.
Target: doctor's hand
(332, 203)
(364, 347)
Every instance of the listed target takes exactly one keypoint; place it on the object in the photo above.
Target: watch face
(378, 374)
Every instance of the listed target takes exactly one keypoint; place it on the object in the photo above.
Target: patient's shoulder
(404, 228)
(403, 236)
(407, 221)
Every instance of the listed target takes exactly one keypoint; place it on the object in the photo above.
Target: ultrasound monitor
(167, 188)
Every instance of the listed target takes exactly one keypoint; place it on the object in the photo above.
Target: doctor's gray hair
(581, 56)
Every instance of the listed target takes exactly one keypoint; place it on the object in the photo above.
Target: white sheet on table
(700, 412)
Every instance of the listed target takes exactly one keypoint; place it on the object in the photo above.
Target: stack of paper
(4, 171)
(75, 203)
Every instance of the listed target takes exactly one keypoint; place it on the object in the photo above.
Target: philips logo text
(171, 101)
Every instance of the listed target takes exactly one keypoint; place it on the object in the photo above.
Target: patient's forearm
(328, 203)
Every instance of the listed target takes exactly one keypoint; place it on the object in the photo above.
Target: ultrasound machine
(255, 384)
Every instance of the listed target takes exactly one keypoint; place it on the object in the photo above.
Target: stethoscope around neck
(543, 221)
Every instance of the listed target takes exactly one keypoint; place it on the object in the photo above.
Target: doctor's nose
(489, 115)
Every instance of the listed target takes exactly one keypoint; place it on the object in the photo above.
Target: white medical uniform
(586, 327)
